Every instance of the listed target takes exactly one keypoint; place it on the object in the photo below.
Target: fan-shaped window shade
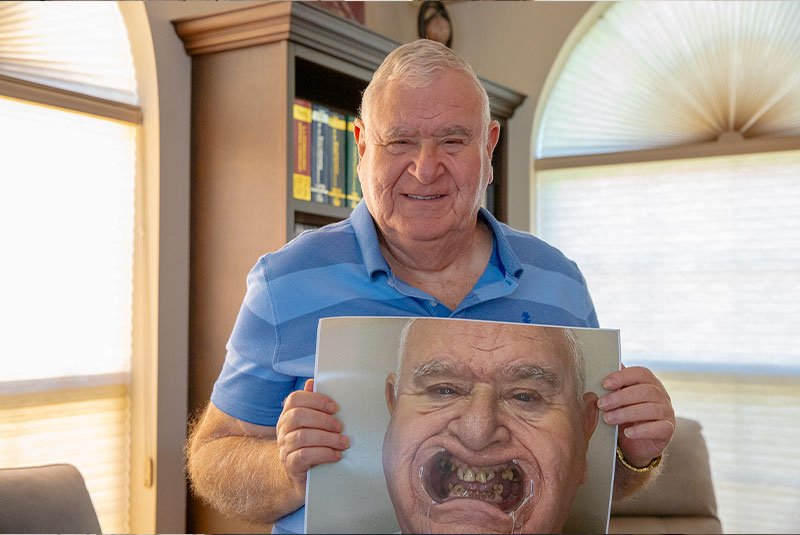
(656, 74)
(77, 46)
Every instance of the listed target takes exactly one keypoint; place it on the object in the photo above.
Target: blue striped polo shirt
(339, 270)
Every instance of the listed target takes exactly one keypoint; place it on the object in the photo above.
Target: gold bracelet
(655, 462)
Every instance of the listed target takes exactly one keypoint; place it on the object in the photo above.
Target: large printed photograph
(461, 426)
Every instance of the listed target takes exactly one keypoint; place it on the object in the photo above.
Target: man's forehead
(467, 342)
(398, 99)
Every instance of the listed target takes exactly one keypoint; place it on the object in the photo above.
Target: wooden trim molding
(69, 100)
(502, 100)
(238, 28)
(312, 27)
(281, 21)
(697, 150)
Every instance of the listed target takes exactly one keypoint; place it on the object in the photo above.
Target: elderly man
(489, 427)
(417, 245)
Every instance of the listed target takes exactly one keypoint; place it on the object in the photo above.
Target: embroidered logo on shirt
(526, 318)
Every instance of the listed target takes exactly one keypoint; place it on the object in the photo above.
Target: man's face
(486, 431)
(425, 157)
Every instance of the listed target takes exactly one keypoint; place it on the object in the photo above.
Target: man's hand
(308, 434)
(642, 409)
(259, 473)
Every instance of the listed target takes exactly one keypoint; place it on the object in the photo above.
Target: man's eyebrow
(532, 371)
(432, 368)
(399, 131)
(456, 130)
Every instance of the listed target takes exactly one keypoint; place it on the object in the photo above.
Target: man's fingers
(299, 461)
(658, 430)
(311, 400)
(631, 395)
(641, 412)
(629, 376)
(302, 417)
(307, 438)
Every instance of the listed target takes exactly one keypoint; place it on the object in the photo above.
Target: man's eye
(398, 146)
(443, 391)
(526, 397)
(452, 145)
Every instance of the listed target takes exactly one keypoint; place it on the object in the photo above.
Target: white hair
(575, 350)
(419, 64)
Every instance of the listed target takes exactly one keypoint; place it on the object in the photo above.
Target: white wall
(164, 72)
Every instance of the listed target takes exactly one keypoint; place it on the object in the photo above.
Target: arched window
(668, 166)
(69, 125)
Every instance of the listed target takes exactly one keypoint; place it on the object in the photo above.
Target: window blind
(66, 224)
(77, 46)
(86, 427)
(749, 423)
(698, 263)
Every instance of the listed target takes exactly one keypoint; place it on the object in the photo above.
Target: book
(353, 188)
(320, 154)
(338, 129)
(301, 177)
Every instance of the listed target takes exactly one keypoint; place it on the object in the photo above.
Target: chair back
(681, 499)
(45, 499)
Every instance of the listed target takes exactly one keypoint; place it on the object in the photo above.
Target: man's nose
(426, 164)
(479, 426)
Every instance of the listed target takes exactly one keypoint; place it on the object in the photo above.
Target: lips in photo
(503, 485)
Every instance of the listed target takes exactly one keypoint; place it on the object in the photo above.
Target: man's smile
(447, 478)
(423, 197)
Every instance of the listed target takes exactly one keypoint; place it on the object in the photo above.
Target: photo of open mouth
(504, 485)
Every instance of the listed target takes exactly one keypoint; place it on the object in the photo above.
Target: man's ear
(491, 142)
(589, 415)
(358, 134)
(391, 400)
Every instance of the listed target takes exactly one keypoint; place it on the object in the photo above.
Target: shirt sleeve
(248, 387)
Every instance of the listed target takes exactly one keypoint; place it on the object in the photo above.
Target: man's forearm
(627, 482)
(243, 477)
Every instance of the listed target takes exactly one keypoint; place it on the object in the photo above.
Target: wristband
(654, 463)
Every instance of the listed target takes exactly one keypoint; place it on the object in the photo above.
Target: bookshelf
(248, 66)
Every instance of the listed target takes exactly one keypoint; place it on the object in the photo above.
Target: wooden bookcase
(248, 66)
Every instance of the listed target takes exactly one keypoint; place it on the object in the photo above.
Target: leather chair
(45, 499)
(681, 499)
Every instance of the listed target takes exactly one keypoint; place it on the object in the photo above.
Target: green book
(338, 154)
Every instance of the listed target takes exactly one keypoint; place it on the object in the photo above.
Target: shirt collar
(509, 262)
(374, 262)
(367, 237)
